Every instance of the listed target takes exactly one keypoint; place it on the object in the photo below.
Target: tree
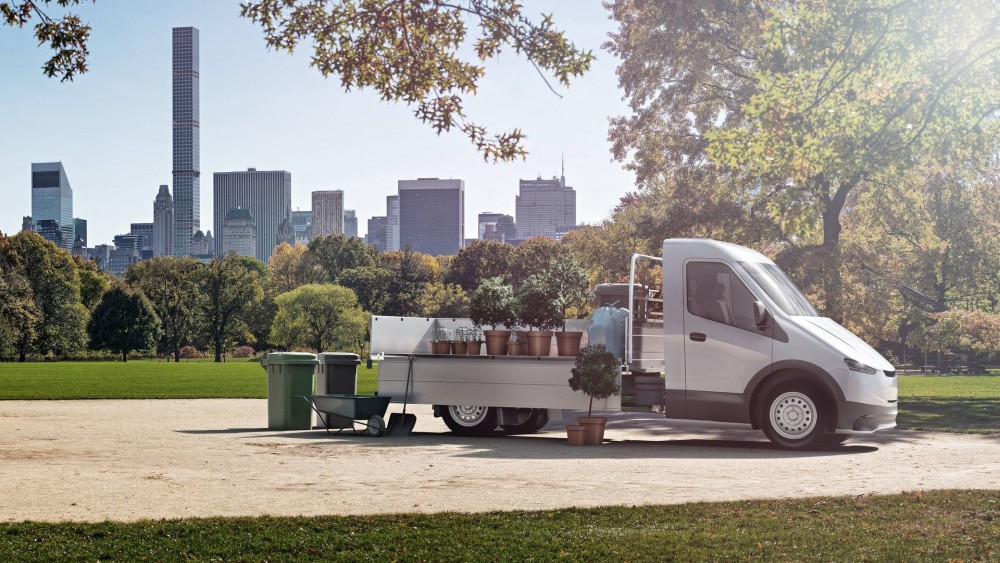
(335, 253)
(321, 316)
(55, 288)
(93, 282)
(811, 99)
(173, 287)
(493, 304)
(443, 301)
(291, 266)
(232, 287)
(480, 260)
(533, 256)
(124, 320)
(413, 272)
(66, 36)
(536, 306)
(414, 51)
(18, 311)
(373, 286)
(566, 283)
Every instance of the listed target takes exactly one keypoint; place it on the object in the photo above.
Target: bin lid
(276, 358)
(342, 358)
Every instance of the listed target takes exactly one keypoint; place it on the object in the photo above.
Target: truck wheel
(470, 420)
(535, 421)
(794, 415)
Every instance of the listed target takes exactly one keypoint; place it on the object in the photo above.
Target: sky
(111, 127)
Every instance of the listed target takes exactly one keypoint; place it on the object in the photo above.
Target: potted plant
(537, 309)
(515, 347)
(440, 344)
(461, 343)
(596, 374)
(493, 305)
(475, 343)
(566, 282)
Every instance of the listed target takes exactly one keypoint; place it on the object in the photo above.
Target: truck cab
(741, 344)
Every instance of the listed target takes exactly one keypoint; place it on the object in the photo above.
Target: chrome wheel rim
(793, 415)
(467, 415)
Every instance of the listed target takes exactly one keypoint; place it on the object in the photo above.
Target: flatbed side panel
(527, 382)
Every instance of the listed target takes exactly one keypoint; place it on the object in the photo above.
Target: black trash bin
(336, 374)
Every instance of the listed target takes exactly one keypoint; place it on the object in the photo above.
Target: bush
(243, 352)
(190, 352)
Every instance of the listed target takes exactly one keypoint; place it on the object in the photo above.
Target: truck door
(723, 347)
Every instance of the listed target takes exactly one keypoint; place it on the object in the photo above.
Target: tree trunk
(124, 356)
(22, 357)
(177, 354)
(833, 281)
(218, 349)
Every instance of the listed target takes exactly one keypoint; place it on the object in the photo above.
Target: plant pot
(496, 342)
(459, 347)
(539, 342)
(568, 343)
(473, 348)
(515, 348)
(594, 428)
(441, 347)
(576, 435)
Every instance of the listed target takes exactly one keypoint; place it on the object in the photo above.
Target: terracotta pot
(576, 435)
(496, 342)
(459, 347)
(568, 343)
(515, 348)
(595, 428)
(539, 342)
(441, 347)
(472, 348)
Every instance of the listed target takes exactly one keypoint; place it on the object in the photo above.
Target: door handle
(697, 336)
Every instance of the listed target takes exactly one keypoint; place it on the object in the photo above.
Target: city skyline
(117, 135)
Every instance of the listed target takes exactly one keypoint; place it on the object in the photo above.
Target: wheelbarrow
(357, 410)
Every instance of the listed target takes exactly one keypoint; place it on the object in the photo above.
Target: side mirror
(760, 314)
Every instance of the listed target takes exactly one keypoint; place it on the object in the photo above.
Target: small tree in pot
(537, 308)
(493, 305)
(596, 374)
(566, 282)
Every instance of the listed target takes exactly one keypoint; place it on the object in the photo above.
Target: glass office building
(52, 202)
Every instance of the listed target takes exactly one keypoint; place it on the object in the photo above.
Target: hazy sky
(111, 127)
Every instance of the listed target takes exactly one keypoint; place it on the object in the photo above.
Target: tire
(375, 427)
(535, 421)
(469, 420)
(794, 415)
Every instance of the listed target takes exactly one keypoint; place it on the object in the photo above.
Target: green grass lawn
(966, 403)
(932, 526)
(143, 379)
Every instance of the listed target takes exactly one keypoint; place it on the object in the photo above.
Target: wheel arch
(792, 370)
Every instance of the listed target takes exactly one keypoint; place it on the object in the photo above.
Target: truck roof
(709, 248)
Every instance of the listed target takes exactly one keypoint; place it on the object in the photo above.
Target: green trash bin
(289, 376)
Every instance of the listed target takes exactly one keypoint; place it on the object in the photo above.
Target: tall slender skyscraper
(187, 162)
(392, 225)
(52, 202)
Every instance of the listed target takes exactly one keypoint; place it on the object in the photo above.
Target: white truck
(734, 342)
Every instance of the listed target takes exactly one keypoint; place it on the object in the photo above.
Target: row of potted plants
(467, 341)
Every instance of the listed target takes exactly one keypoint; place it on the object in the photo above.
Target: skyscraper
(80, 228)
(545, 208)
(392, 222)
(239, 233)
(496, 226)
(377, 227)
(187, 164)
(163, 223)
(267, 195)
(327, 213)
(52, 202)
(432, 215)
(350, 223)
(302, 224)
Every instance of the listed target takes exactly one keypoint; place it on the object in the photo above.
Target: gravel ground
(133, 460)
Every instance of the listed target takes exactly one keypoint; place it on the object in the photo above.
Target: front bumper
(862, 418)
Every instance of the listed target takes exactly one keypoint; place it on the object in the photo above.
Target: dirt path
(129, 460)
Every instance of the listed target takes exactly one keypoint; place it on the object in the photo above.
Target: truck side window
(714, 292)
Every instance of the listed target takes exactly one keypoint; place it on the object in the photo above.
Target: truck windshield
(780, 289)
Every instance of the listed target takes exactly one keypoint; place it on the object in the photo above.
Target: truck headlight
(857, 366)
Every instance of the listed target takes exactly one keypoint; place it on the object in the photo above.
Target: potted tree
(566, 282)
(596, 374)
(440, 344)
(538, 310)
(493, 305)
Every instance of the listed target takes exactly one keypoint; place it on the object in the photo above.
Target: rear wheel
(532, 423)
(470, 420)
(794, 415)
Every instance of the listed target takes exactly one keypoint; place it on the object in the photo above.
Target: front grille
(890, 373)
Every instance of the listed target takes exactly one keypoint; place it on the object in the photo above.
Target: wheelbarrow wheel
(375, 426)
